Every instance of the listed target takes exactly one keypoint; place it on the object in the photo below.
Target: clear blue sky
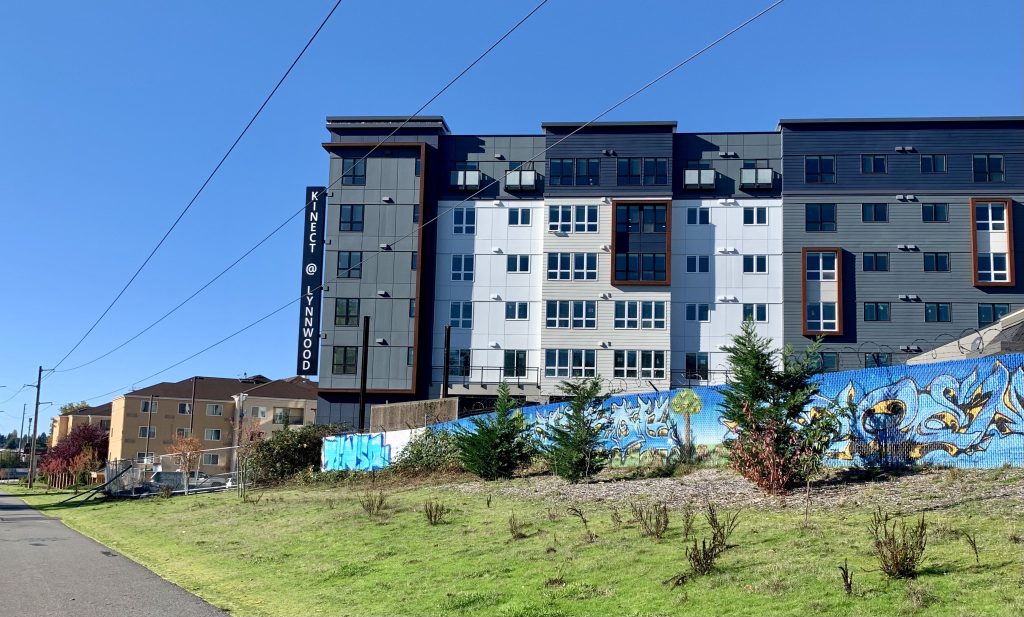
(113, 113)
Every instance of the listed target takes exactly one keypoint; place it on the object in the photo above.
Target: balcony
(696, 179)
(468, 180)
(521, 180)
(757, 178)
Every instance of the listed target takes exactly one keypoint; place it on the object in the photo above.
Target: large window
(697, 365)
(464, 220)
(992, 267)
(629, 171)
(988, 168)
(821, 266)
(575, 266)
(144, 429)
(640, 267)
(636, 218)
(346, 312)
(872, 163)
(652, 315)
(820, 217)
(821, 317)
(517, 310)
(459, 362)
(698, 263)
(351, 218)
(210, 459)
(461, 315)
(462, 267)
(643, 364)
(345, 360)
(184, 408)
(515, 363)
(698, 216)
(350, 264)
(214, 409)
(655, 171)
(876, 311)
(937, 312)
(571, 314)
(647, 171)
(633, 314)
(145, 407)
(990, 216)
(874, 213)
(755, 312)
(935, 213)
(560, 172)
(755, 264)
(936, 262)
(518, 217)
(517, 263)
(820, 169)
(588, 172)
(698, 312)
(877, 360)
(933, 163)
(211, 434)
(876, 262)
(353, 172)
(573, 219)
(989, 313)
(755, 215)
(570, 363)
(828, 361)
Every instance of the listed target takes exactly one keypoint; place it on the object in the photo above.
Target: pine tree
(575, 445)
(499, 444)
(768, 391)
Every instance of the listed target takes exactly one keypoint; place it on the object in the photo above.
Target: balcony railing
(487, 375)
(521, 180)
(466, 180)
(757, 178)
(699, 178)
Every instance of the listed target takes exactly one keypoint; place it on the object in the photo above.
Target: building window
(697, 263)
(412, 307)
(755, 312)
(517, 263)
(989, 313)
(588, 172)
(346, 312)
(344, 360)
(214, 409)
(697, 365)
(410, 356)
(183, 432)
(992, 267)
(652, 315)
(464, 220)
(459, 362)
(144, 457)
(627, 314)
(877, 360)
(461, 315)
(935, 213)
(645, 218)
(560, 219)
(350, 264)
(988, 168)
(462, 267)
(821, 317)
(184, 408)
(570, 363)
(626, 364)
(557, 315)
(876, 311)
(874, 213)
(211, 434)
(518, 217)
(584, 266)
(416, 213)
(583, 314)
(585, 219)
(933, 163)
(755, 164)
(629, 171)
(351, 218)
(936, 262)
(990, 216)
(755, 215)
(416, 167)
(517, 310)
(568, 219)
(414, 261)
(937, 312)
(515, 363)
(872, 163)
(698, 216)
(559, 266)
(821, 266)
(755, 264)
(652, 365)
(258, 412)
(697, 312)
(655, 171)
(631, 364)
(828, 361)
(820, 169)
(820, 217)
(876, 262)
(150, 429)
(145, 407)
(640, 267)
(560, 173)
(210, 459)
(353, 172)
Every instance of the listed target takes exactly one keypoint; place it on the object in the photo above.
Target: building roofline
(388, 120)
(922, 120)
(663, 123)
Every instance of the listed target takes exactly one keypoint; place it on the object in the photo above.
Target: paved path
(48, 569)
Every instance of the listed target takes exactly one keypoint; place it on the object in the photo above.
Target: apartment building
(63, 424)
(145, 422)
(898, 233)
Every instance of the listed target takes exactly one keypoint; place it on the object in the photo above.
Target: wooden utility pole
(364, 370)
(32, 438)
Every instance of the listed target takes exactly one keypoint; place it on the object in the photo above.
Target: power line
(377, 145)
(492, 183)
(202, 187)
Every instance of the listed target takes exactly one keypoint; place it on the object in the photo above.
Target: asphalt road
(48, 569)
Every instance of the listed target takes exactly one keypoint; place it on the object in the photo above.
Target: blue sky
(114, 113)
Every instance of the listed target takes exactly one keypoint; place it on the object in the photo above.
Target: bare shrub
(722, 525)
(616, 519)
(576, 511)
(972, 541)
(653, 519)
(166, 491)
(703, 556)
(899, 548)
(435, 511)
(689, 516)
(373, 502)
(488, 501)
(516, 528)
(847, 577)
(918, 595)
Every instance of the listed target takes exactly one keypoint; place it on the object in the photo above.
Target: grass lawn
(313, 551)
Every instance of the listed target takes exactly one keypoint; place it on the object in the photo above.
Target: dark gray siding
(623, 142)
(482, 150)
(710, 146)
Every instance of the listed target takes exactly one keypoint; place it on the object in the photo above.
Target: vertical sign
(312, 281)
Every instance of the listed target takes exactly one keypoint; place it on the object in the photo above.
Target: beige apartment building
(64, 423)
(144, 423)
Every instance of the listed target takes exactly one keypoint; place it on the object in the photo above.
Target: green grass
(313, 551)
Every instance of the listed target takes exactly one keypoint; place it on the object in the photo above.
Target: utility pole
(364, 372)
(21, 434)
(447, 360)
(35, 423)
(149, 429)
(192, 409)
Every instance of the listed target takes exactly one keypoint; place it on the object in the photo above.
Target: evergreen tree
(575, 445)
(764, 403)
(499, 444)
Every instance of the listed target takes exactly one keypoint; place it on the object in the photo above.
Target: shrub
(653, 519)
(290, 451)
(899, 548)
(498, 444)
(847, 577)
(84, 448)
(721, 527)
(577, 511)
(429, 451)
(703, 557)
(373, 502)
(575, 444)
(516, 528)
(689, 515)
(764, 404)
(435, 511)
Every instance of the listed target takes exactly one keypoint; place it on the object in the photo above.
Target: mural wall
(363, 451)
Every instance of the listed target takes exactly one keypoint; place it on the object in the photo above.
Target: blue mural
(358, 452)
(965, 413)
